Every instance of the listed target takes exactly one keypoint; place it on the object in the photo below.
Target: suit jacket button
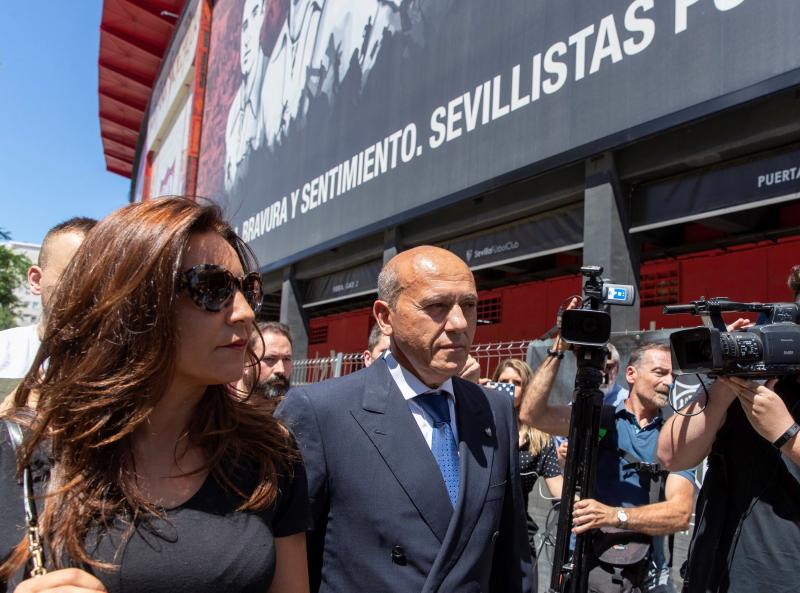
(399, 555)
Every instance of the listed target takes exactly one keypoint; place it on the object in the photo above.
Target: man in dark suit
(412, 471)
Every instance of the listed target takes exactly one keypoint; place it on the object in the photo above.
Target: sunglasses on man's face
(211, 287)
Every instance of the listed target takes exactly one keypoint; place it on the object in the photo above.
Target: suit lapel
(388, 423)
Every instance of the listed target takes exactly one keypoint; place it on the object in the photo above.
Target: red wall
(752, 272)
(347, 332)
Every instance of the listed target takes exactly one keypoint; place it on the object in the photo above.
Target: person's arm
(72, 580)
(554, 485)
(536, 409)
(299, 416)
(791, 450)
(686, 439)
(659, 518)
(291, 566)
(8, 401)
(549, 468)
(767, 413)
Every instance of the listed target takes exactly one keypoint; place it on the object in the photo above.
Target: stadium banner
(327, 120)
(541, 235)
(750, 184)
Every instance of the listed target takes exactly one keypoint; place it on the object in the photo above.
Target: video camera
(769, 349)
(589, 325)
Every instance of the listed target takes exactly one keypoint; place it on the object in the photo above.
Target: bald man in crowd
(412, 471)
(19, 345)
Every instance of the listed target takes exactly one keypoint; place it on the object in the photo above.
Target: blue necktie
(443, 443)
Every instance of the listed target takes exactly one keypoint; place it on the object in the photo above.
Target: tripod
(571, 575)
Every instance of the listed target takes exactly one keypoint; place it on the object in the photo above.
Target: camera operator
(747, 526)
(624, 497)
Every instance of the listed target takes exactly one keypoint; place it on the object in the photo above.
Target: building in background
(30, 308)
(657, 139)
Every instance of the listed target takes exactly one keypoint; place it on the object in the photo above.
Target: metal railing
(492, 354)
(313, 370)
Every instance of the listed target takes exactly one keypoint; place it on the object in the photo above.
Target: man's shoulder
(18, 347)
(23, 332)
(331, 392)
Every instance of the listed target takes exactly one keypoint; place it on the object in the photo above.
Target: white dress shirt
(18, 348)
(410, 386)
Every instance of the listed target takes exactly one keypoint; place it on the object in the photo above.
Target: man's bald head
(409, 266)
(59, 245)
(427, 304)
(79, 225)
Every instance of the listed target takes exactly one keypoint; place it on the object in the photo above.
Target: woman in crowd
(537, 453)
(157, 475)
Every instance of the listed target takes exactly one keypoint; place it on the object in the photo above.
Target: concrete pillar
(606, 241)
(391, 243)
(293, 314)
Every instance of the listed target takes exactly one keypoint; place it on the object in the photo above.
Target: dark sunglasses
(211, 287)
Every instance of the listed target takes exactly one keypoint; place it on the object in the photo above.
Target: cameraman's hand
(764, 408)
(589, 514)
(740, 323)
(73, 580)
(561, 453)
(559, 345)
(471, 371)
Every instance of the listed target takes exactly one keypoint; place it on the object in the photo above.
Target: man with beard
(632, 492)
(275, 366)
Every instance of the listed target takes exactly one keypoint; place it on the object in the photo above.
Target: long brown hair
(110, 343)
(536, 439)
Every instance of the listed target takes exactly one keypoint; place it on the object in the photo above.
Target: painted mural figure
(318, 43)
(244, 131)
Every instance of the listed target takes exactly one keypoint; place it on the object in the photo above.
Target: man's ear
(630, 374)
(383, 316)
(35, 279)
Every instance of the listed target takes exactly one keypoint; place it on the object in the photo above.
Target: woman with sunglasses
(157, 476)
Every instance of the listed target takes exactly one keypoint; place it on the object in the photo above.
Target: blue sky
(51, 157)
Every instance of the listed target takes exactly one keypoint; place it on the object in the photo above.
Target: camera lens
(589, 325)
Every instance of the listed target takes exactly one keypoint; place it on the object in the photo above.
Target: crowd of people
(154, 442)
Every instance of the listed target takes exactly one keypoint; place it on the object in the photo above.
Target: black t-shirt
(205, 545)
(747, 530)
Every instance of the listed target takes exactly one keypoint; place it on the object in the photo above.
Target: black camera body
(771, 349)
(590, 325)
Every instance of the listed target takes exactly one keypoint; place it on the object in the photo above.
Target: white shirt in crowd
(18, 348)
